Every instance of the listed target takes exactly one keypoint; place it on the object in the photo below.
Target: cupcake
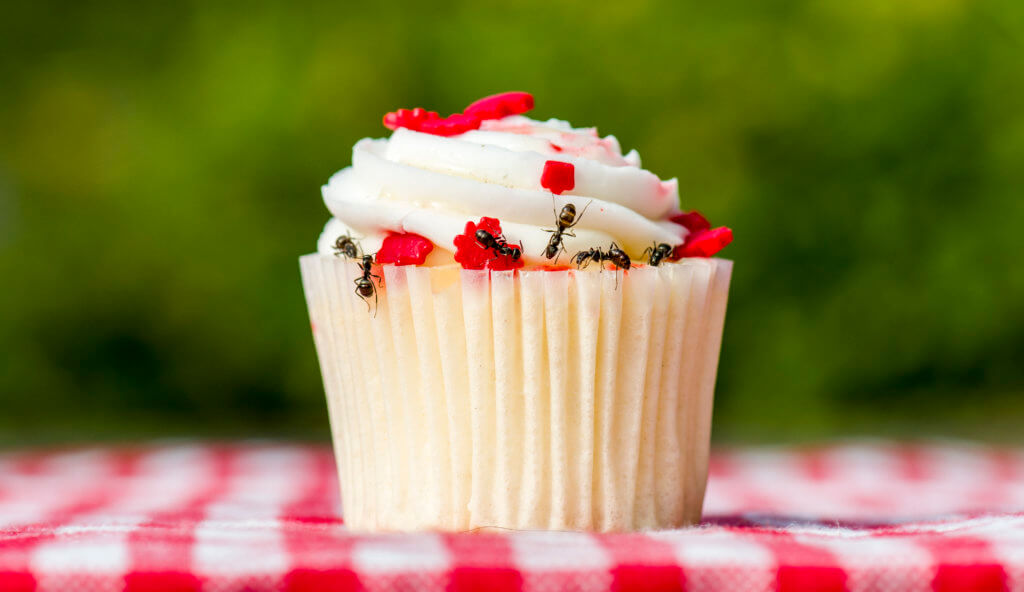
(517, 327)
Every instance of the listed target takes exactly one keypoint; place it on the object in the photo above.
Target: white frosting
(432, 185)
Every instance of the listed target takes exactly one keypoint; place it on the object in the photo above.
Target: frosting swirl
(432, 185)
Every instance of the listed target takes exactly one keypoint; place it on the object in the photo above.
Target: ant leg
(577, 220)
(561, 249)
(363, 298)
(376, 290)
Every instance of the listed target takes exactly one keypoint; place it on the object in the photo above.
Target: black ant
(617, 256)
(364, 285)
(498, 245)
(346, 246)
(563, 222)
(657, 253)
(584, 257)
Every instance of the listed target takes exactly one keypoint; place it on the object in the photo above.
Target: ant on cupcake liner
(564, 221)
(654, 254)
(657, 252)
(614, 254)
(365, 286)
(350, 249)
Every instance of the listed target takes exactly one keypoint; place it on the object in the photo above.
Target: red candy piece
(472, 255)
(704, 243)
(409, 118)
(429, 122)
(501, 105)
(558, 176)
(404, 249)
(452, 125)
(693, 221)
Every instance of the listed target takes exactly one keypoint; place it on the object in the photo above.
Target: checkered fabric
(265, 516)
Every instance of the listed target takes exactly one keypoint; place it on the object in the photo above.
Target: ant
(346, 246)
(657, 253)
(364, 285)
(617, 256)
(498, 245)
(584, 257)
(563, 222)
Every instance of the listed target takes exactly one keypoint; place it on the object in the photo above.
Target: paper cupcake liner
(569, 400)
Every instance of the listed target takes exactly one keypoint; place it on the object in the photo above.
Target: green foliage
(160, 169)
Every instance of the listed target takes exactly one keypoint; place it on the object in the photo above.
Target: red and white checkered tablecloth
(265, 516)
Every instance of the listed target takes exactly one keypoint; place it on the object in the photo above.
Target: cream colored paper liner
(569, 400)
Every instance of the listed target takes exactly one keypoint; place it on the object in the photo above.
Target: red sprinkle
(409, 118)
(472, 255)
(704, 243)
(693, 221)
(558, 176)
(404, 249)
(501, 105)
(453, 125)
(429, 122)
(556, 147)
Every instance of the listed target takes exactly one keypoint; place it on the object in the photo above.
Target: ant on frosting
(364, 285)
(614, 254)
(347, 246)
(657, 252)
(498, 245)
(563, 222)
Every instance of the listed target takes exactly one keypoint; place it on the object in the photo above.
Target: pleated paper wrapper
(564, 400)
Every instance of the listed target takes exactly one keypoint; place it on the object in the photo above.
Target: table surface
(266, 516)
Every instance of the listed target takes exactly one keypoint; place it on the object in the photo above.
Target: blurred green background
(160, 167)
